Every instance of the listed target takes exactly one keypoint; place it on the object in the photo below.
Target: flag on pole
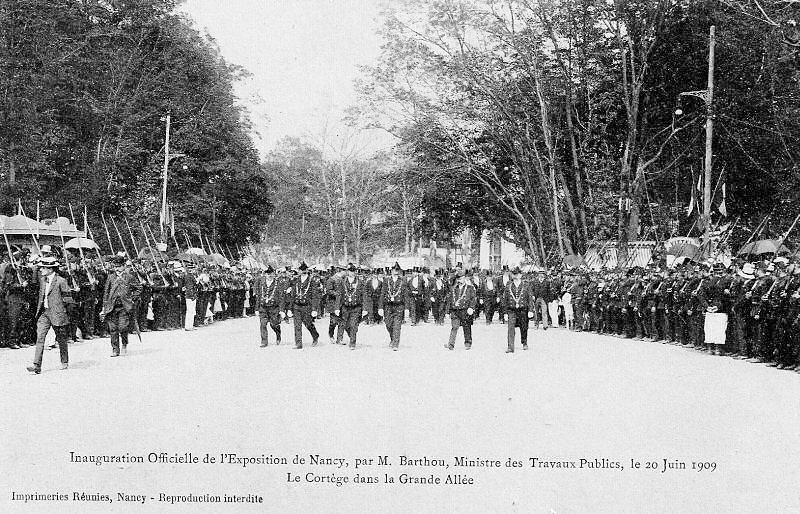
(723, 208)
(172, 222)
(693, 198)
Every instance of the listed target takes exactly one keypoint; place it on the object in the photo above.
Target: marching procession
(745, 310)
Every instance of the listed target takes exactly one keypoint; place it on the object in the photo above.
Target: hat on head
(516, 270)
(351, 267)
(303, 266)
(48, 262)
(747, 270)
(270, 270)
(46, 249)
(397, 266)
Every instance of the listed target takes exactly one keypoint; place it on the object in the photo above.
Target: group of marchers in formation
(745, 311)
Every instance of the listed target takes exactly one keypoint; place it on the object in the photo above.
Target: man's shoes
(315, 342)
(298, 347)
(65, 366)
(277, 341)
(468, 347)
(509, 350)
(394, 348)
(34, 369)
(14, 346)
(524, 346)
(263, 345)
(352, 347)
(115, 353)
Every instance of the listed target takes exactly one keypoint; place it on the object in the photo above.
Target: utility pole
(708, 97)
(709, 140)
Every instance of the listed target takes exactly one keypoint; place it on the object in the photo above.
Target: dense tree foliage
(84, 89)
(562, 121)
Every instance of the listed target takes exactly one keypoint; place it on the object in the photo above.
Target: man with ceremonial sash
(352, 303)
(461, 303)
(519, 305)
(270, 303)
(392, 302)
(305, 293)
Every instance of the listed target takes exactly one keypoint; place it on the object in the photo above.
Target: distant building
(496, 251)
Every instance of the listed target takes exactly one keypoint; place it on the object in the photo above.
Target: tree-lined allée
(563, 123)
(84, 88)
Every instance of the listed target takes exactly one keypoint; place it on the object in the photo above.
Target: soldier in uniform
(305, 294)
(16, 282)
(461, 302)
(353, 302)
(786, 313)
(741, 308)
(519, 305)
(270, 299)
(394, 299)
(576, 289)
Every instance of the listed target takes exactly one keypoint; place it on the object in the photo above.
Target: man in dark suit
(305, 294)
(270, 294)
(543, 294)
(394, 299)
(118, 305)
(461, 302)
(518, 306)
(352, 303)
(51, 311)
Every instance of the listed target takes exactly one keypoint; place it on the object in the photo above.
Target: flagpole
(709, 139)
(166, 167)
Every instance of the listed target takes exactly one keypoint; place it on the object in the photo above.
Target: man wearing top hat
(305, 294)
(416, 296)
(270, 301)
(519, 306)
(54, 296)
(462, 302)
(374, 284)
(438, 296)
(392, 302)
(352, 303)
